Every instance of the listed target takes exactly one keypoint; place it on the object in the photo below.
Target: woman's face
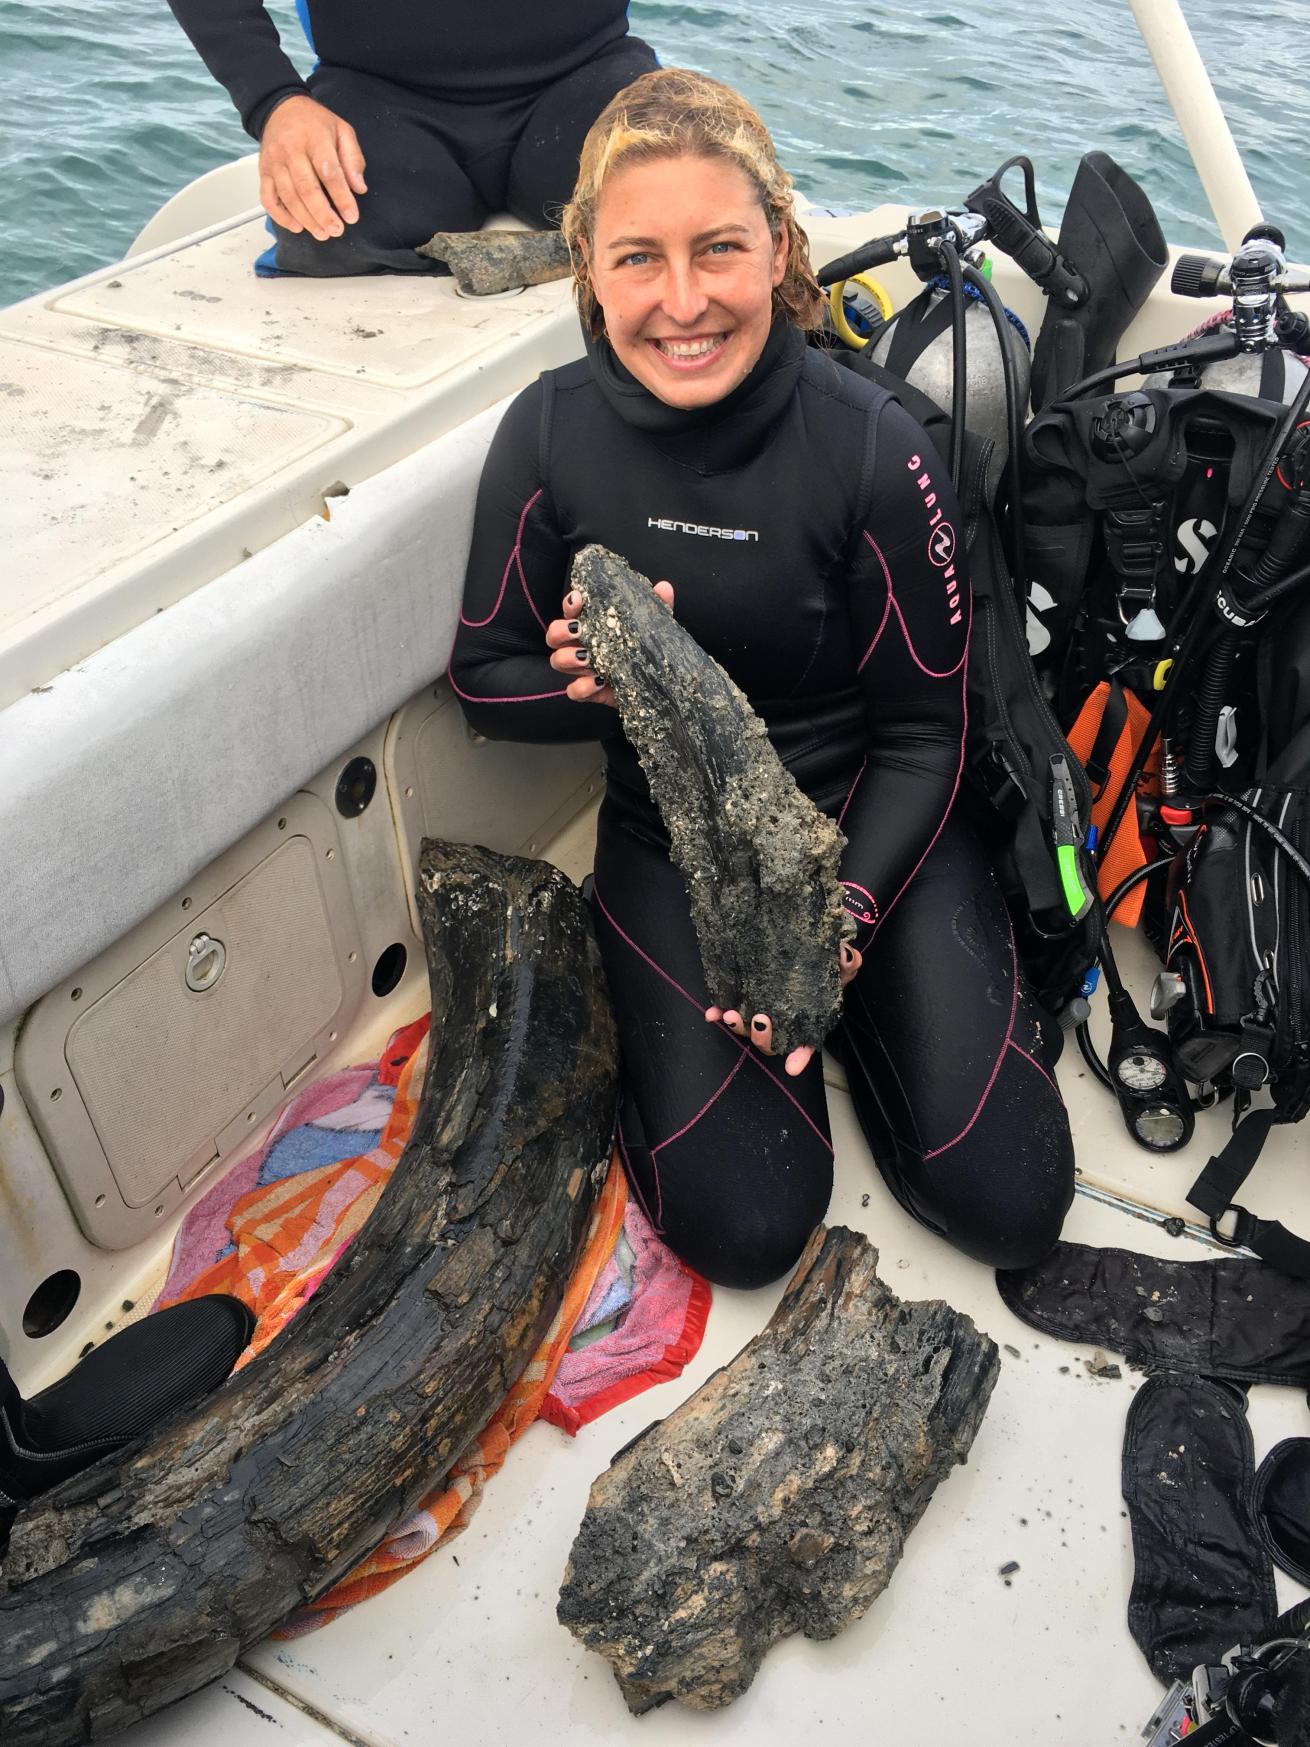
(683, 265)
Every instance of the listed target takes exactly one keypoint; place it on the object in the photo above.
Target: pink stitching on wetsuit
(713, 1099)
(527, 698)
(1040, 1069)
(749, 1052)
(872, 913)
(959, 770)
(996, 1066)
(850, 791)
(905, 631)
(882, 623)
(516, 558)
(655, 1224)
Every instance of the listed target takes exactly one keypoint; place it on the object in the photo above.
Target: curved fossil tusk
(144, 1577)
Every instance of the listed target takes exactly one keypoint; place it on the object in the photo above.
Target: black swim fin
(1109, 235)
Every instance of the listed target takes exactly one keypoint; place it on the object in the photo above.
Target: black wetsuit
(462, 110)
(809, 532)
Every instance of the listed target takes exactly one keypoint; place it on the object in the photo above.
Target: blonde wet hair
(675, 113)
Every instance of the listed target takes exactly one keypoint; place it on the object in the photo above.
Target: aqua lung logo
(941, 538)
(941, 545)
(705, 531)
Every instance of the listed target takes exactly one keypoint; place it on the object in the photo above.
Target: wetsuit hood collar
(712, 439)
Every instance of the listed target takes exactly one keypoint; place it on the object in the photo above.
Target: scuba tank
(958, 362)
(918, 346)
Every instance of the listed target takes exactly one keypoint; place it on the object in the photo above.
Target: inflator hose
(1270, 580)
(1210, 696)
(1014, 422)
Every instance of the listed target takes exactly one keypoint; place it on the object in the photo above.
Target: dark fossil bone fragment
(147, 1575)
(484, 262)
(760, 860)
(779, 1497)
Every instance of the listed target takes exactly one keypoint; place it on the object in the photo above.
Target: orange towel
(287, 1234)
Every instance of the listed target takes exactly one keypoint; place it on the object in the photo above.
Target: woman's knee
(736, 1206)
(1003, 1200)
(742, 1252)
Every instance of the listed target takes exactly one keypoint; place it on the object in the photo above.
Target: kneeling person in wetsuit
(700, 407)
(416, 119)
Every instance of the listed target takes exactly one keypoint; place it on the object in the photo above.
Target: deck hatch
(143, 1082)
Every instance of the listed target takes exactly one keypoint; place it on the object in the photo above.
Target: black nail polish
(759, 1025)
(573, 627)
(580, 655)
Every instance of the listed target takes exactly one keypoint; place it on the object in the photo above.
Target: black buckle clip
(1244, 1227)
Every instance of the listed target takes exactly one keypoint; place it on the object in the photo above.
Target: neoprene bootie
(116, 1393)
(1110, 235)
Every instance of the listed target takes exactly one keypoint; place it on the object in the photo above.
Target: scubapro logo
(704, 529)
(1040, 600)
(1192, 537)
(941, 544)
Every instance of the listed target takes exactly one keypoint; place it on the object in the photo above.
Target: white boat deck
(173, 413)
(467, 1646)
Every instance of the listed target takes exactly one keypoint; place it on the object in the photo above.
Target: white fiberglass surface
(392, 329)
(468, 1647)
(114, 460)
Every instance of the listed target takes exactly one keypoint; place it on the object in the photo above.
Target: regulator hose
(960, 370)
(1268, 577)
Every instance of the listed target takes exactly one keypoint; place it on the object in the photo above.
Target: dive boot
(118, 1392)
(1111, 237)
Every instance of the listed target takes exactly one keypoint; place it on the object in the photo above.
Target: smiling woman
(800, 515)
(684, 240)
(684, 264)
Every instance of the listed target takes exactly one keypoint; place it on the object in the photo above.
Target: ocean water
(105, 111)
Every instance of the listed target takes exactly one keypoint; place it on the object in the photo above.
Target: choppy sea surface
(105, 110)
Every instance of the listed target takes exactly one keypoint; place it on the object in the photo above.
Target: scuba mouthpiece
(879, 252)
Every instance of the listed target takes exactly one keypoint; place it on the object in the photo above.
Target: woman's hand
(760, 1033)
(310, 169)
(569, 656)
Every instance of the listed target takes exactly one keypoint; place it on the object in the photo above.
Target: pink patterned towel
(655, 1308)
(643, 1320)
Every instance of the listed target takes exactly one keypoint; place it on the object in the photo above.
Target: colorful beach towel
(272, 1229)
(643, 1323)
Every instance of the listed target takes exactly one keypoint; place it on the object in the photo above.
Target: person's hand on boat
(760, 1030)
(563, 639)
(310, 169)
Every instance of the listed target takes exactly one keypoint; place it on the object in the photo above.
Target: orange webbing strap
(1128, 850)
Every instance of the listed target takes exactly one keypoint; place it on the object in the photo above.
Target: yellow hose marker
(845, 331)
(1161, 674)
